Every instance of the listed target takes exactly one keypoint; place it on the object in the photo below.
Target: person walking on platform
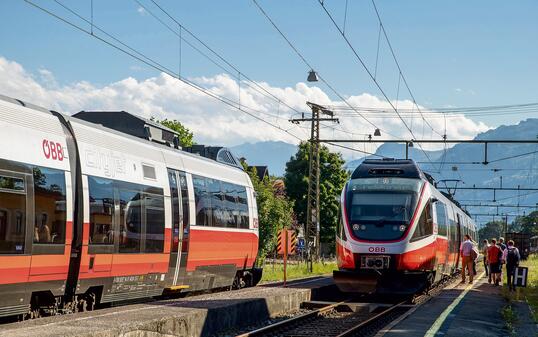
(466, 259)
(511, 257)
(494, 258)
(484, 252)
(502, 246)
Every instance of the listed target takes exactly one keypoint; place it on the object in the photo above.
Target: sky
(452, 54)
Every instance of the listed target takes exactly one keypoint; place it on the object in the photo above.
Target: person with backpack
(511, 257)
(494, 258)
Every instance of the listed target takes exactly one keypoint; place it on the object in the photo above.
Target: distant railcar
(92, 215)
(398, 233)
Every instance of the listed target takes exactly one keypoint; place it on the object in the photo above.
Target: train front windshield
(381, 208)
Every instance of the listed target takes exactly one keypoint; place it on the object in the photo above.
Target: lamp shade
(312, 76)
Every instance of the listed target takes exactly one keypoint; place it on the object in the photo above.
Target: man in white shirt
(466, 259)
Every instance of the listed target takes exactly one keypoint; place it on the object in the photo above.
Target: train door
(180, 225)
(458, 238)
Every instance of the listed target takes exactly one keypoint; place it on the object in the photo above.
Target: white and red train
(89, 214)
(398, 233)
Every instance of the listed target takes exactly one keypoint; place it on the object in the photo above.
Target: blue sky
(453, 53)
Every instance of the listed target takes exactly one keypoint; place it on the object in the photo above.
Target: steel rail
(352, 331)
(292, 320)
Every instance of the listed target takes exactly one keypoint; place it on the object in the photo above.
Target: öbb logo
(53, 150)
(376, 249)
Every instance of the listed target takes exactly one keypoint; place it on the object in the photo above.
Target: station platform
(463, 310)
(202, 315)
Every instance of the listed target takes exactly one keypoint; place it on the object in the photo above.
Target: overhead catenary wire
(400, 69)
(153, 64)
(369, 72)
(309, 65)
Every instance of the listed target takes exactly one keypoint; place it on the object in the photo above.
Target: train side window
(101, 192)
(154, 211)
(130, 220)
(202, 201)
(217, 210)
(442, 225)
(12, 210)
(50, 203)
(230, 204)
(424, 226)
(242, 203)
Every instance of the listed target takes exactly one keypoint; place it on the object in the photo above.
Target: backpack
(512, 257)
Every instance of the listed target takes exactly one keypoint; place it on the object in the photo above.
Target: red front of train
(398, 234)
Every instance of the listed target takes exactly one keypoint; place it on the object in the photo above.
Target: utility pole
(312, 225)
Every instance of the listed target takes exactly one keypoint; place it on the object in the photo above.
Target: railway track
(334, 320)
(341, 319)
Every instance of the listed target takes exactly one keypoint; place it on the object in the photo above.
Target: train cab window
(442, 220)
(202, 200)
(130, 220)
(12, 211)
(425, 224)
(154, 211)
(101, 193)
(50, 203)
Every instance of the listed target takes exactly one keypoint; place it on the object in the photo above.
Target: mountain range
(514, 164)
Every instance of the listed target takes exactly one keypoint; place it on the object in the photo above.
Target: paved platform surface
(460, 310)
(194, 316)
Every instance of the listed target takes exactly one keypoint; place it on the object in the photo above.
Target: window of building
(101, 211)
(50, 203)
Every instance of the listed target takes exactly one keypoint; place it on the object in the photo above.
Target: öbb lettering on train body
(398, 233)
(105, 207)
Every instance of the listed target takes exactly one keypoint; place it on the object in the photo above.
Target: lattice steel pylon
(312, 226)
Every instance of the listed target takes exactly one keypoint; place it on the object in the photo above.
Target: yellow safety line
(179, 287)
(441, 319)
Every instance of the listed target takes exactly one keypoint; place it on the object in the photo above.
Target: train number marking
(376, 249)
(53, 150)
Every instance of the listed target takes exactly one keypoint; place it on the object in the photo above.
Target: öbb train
(93, 214)
(398, 234)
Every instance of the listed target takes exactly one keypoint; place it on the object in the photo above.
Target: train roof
(389, 167)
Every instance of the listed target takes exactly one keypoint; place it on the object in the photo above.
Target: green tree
(275, 211)
(185, 135)
(528, 223)
(333, 176)
(492, 229)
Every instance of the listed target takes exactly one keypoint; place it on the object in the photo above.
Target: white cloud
(212, 121)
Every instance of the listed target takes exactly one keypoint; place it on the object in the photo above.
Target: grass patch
(510, 318)
(530, 293)
(275, 271)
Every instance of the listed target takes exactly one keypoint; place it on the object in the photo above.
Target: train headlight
(394, 228)
(402, 228)
(356, 227)
(363, 227)
(370, 263)
(379, 263)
